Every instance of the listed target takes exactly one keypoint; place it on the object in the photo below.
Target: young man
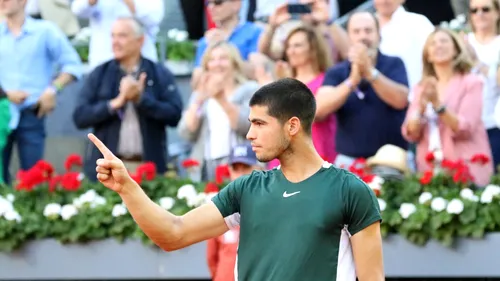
(305, 220)
(222, 250)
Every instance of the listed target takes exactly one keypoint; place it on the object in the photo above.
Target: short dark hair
(285, 99)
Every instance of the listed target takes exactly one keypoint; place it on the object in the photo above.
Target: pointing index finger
(102, 148)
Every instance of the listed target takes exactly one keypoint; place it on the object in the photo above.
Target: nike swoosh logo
(290, 194)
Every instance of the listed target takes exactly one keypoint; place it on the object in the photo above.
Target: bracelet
(440, 110)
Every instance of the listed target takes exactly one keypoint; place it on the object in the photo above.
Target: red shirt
(221, 255)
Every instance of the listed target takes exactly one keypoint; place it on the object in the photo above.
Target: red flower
(211, 187)
(46, 168)
(368, 178)
(221, 173)
(146, 171)
(429, 157)
(190, 163)
(54, 182)
(27, 180)
(71, 181)
(448, 164)
(73, 160)
(480, 159)
(427, 177)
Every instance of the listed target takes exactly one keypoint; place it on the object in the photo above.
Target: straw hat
(390, 156)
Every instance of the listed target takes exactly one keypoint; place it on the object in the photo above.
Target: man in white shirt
(102, 14)
(403, 35)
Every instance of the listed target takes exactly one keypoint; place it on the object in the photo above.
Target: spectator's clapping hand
(319, 14)
(429, 90)
(215, 35)
(279, 16)
(131, 88)
(215, 85)
(358, 54)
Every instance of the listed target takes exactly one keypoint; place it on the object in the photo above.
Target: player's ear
(293, 126)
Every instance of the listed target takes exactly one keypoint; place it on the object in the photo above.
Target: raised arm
(168, 231)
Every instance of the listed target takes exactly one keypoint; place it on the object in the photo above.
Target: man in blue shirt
(29, 51)
(368, 93)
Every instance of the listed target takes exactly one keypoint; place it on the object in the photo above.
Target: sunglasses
(482, 9)
(216, 2)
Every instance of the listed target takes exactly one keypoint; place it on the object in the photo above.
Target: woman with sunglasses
(484, 42)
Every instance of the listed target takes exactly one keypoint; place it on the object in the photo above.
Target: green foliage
(96, 222)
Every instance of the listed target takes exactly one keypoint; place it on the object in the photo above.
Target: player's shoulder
(343, 177)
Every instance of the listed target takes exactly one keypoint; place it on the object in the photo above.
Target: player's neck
(300, 163)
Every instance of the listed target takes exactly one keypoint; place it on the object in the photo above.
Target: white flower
(118, 210)
(438, 155)
(12, 215)
(52, 210)
(197, 200)
(5, 206)
(376, 183)
(98, 201)
(90, 198)
(489, 193)
(10, 197)
(466, 193)
(424, 197)
(443, 24)
(461, 18)
(454, 24)
(181, 36)
(456, 206)
(187, 192)
(172, 33)
(68, 211)
(406, 210)
(438, 204)
(382, 204)
(167, 202)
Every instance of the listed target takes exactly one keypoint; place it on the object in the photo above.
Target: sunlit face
(220, 61)
(237, 170)
(387, 7)
(268, 136)
(11, 7)
(483, 14)
(221, 10)
(363, 29)
(441, 49)
(125, 41)
(298, 50)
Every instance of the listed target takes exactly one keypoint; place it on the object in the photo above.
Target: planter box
(180, 68)
(108, 259)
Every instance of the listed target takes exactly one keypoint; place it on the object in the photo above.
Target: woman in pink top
(308, 58)
(445, 114)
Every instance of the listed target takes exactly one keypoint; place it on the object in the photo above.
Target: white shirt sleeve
(82, 9)
(150, 13)
(497, 113)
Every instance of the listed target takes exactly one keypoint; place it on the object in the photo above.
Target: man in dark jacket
(129, 101)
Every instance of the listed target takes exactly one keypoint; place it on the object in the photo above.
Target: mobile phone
(299, 8)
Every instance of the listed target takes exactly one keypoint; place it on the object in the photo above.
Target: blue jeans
(494, 138)
(29, 137)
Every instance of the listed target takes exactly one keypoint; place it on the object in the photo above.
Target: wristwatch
(374, 73)
(440, 110)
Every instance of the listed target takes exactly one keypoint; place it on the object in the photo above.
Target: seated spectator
(308, 58)
(390, 162)
(281, 23)
(128, 101)
(368, 94)
(484, 44)
(217, 115)
(222, 250)
(103, 13)
(445, 115)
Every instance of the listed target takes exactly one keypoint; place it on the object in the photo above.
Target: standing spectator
(128, 101)
(30, 48)
(368, 94)
(216, 118)
(193, 11)
(4, 125)
(56, 11)
(308, 59)
(403, 35)
(445, 115)
(103, 13)
(485, 43)
(222, 250)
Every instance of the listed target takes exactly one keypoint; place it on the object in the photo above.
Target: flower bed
(440, 205)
